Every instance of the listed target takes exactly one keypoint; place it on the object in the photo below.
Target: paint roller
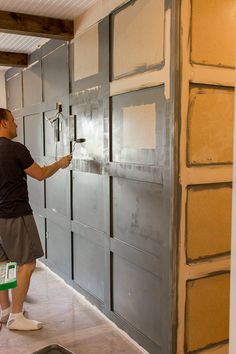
(77, 141)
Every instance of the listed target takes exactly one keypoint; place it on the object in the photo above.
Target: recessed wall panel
(138, 126)
(32, 78)
(137, 297)
(88, 199)
(208, 221)
(59, 247)
(213, 32)
(56, 135)
(90, 125)
(210, 125)
(137, 213)
(89, 265)
(56, 73)
(40, 222)
(51, 134)
(86, 54)
(14, 92)
(138, 37)
(36, 192)
(207, 311)
(34, 134)
(58, 192)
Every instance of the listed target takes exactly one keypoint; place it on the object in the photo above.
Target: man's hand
(65, 161)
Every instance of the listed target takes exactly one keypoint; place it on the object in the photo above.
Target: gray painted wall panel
(14, 92)
(59, 247)
(58, 193)
(137, 214)
(57, 130)
(137, 298)
(52, 147)
(89, 125)
(32, 85)
(36, 193)
(89, 265)
(56, 73)
(88, 199)
(34, 134)
(34, 142)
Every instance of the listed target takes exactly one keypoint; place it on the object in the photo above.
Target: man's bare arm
(40, 173)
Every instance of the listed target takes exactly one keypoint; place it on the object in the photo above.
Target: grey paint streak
(136, 172)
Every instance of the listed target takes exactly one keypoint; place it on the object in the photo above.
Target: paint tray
(8, 275)
(53, 349)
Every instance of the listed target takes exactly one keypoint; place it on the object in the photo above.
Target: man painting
(19, 238)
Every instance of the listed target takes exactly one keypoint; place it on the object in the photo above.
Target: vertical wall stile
(107, 180)
(232, 343)
(130, 85)
(175, 113)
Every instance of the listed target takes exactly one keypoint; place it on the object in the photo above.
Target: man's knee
(30, 267)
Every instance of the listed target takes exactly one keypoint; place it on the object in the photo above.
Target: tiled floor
(68, 321)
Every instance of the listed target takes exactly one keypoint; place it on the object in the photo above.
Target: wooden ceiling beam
(39, 26)
(14, 59)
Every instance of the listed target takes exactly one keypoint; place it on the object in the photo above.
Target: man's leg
(17, 320)
(4, 299)
(23, 281)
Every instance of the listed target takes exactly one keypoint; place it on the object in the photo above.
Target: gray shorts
(19, 240)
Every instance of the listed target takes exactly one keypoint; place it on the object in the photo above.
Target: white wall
(3, 103)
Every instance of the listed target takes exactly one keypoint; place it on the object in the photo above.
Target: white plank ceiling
(63, 9)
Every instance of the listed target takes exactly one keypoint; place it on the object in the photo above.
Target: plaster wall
(206, 156)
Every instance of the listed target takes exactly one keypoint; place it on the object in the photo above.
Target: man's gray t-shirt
(14, 159)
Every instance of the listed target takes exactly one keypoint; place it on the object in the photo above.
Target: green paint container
(8, 278)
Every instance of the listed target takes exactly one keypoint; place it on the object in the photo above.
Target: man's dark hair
(3, 114)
